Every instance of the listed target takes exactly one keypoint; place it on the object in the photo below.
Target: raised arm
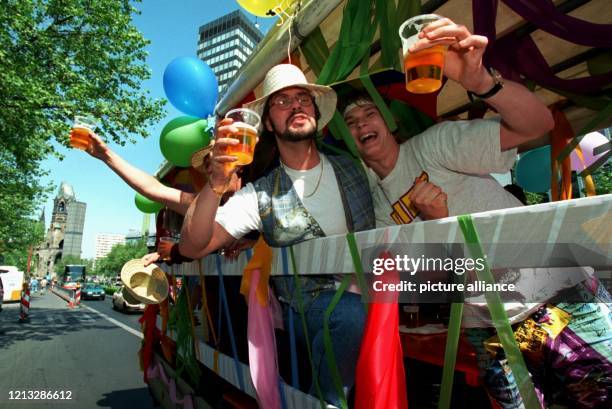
(524, 116)
(140, 181)
(200, 234)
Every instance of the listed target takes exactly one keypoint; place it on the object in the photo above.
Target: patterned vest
(286, 221)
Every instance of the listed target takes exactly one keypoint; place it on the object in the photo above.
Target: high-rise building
(105, 242)
(226, 43)
(65, 233)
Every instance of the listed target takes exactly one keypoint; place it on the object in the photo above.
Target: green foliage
(118, 256)
(110, 290)
(14, 251)
(536, 198)
(72, 259)
(59, 58)
(603, 179)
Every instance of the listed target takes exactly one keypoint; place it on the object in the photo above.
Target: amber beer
(247, 138)
(424, 70)
(79, 136)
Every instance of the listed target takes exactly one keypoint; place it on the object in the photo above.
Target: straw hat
(197, 158)
(147, 284)
(287, 75)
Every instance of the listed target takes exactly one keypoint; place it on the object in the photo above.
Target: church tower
(65, 233)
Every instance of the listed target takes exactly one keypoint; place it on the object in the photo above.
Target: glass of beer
(423, 68)
(79, 136)
(247, 122)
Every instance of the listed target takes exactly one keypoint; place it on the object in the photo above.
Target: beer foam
(245, 125)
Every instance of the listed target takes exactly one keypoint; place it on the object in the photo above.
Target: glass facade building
(226, 43)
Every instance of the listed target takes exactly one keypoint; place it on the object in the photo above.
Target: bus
(12, 282)
(73, 274)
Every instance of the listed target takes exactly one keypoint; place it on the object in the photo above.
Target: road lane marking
(114, 321)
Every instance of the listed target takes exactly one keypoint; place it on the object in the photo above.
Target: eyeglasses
(285, 102)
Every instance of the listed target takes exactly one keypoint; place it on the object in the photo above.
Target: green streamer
(361, 281)
(376, 98)
(341, 132)
(327, 342)
(499, 317)
(315, 50)
(386, 14)
(450, 355)
(298, 295)
(407, 9)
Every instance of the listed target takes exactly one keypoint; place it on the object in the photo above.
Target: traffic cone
(25, 304)
(71, 301)
(77, 301)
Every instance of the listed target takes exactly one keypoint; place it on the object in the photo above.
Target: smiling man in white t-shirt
(459, 156)
(308, 195)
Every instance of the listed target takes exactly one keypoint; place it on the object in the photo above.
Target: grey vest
(286, 221)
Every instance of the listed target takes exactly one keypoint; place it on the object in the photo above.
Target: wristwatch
(498, 84)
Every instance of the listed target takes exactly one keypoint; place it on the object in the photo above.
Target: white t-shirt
(240, 214)
(459, 157)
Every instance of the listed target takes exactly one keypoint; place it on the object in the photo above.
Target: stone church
(65, 233)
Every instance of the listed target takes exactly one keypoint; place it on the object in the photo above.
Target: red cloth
(151, 336)
(380, 380)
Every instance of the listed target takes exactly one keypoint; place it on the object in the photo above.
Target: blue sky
(172, 28)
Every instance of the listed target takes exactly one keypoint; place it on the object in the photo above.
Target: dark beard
(291, 136)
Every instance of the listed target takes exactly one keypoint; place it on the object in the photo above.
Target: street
(87, 354)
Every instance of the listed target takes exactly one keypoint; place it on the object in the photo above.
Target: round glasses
(285, 102)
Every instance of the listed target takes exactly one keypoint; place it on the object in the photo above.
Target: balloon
(533, 172)
(262, 8)
(146, 205)
(588, 142)
(191, 86)
(181, 137)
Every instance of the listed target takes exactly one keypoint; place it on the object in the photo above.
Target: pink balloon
(590, 141)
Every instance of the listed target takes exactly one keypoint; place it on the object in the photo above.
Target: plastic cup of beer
(79, 137)
(423, 68)
(247, 122)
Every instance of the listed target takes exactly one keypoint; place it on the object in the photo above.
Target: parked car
(91, 291)
(123, 301)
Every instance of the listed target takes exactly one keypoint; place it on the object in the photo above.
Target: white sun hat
(148, 285)
(288, 75)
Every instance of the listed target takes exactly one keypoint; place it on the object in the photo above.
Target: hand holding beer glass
(247, 123)
(82, 126)
(423, 68)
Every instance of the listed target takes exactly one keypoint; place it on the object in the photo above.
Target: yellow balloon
(265, 8)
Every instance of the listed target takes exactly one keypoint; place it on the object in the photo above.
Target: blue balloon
(191, 86)
(533, 171)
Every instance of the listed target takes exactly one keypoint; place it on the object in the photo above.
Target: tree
(14, 252)
(120, 254)
(59, 58)
(603, 179)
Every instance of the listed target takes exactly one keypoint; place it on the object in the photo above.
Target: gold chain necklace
(318, 181)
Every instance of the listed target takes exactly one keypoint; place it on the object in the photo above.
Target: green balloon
(146, 205)
(181, 137)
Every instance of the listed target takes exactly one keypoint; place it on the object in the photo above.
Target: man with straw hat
(309, 194)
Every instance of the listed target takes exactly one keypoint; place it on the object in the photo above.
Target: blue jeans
(346, 324)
